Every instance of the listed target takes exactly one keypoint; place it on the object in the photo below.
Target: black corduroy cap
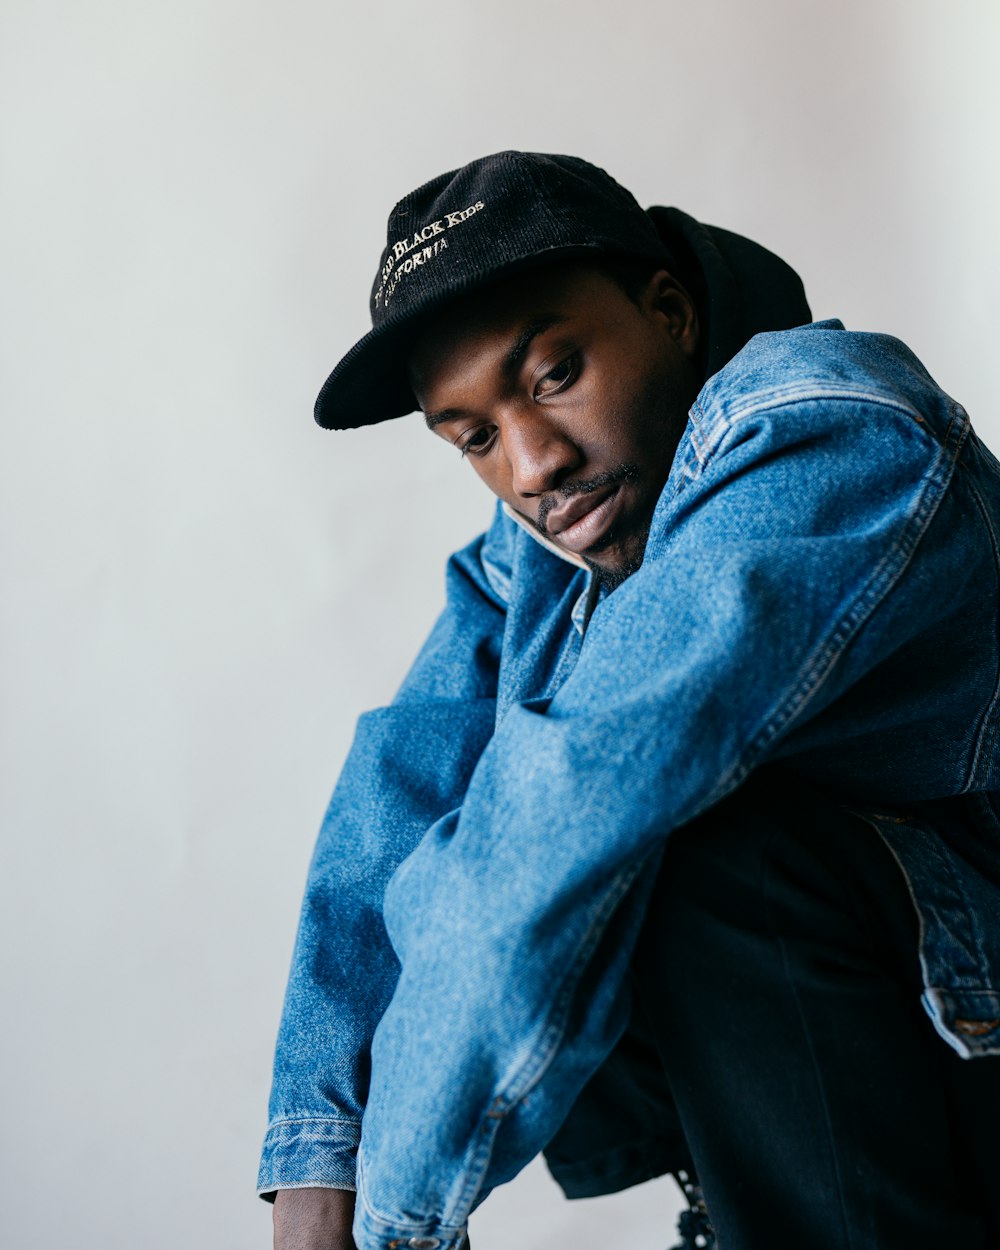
(463, 230)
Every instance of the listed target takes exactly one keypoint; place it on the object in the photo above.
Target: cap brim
(370, 384)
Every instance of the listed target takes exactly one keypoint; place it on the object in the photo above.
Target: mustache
(617, 476)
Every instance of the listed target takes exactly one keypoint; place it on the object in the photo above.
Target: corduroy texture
(463, 230)
(513, 210)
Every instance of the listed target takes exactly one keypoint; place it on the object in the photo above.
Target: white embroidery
(407, 254)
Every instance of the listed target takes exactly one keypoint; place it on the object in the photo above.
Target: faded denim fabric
(820, 586)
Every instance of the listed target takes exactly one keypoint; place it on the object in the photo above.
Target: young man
(679, 848)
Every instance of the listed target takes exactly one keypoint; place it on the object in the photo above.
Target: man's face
(568, 397)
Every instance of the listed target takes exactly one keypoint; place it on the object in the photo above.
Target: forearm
(344, 970)
(481, 1054)
(409, 764)
(313, 1219)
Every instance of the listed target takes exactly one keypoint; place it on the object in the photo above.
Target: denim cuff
(968, 1021)
(309, 1152)
(377, 1231)
(371, 1233)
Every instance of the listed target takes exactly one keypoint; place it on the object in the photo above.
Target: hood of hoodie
(739, 288)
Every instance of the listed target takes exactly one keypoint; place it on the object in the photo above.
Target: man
(690, 800)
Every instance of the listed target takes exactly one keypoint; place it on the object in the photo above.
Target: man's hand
(316, 1219)
(313, 1219)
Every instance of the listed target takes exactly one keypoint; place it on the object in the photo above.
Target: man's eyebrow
(537, 325)
(511, 362)
(434, 419)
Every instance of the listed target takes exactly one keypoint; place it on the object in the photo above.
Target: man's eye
(477, 442)
(557, 378)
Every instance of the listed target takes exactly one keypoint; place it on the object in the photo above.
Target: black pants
(778, 972)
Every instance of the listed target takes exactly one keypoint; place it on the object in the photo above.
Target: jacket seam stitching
(396, 1223)
(987, 730)
(962, 929)
(546, 1047)
(782, 400)
(724, 422)
(870, 819)
(872, 594)
(964, 917)
(706, 433)
(305, 1118)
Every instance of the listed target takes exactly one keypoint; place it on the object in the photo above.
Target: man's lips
(583, 520)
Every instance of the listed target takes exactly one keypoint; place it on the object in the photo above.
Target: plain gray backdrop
(202, 589)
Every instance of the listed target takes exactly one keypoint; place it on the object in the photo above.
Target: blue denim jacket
(820, 586)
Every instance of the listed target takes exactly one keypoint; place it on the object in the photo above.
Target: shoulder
(814, 422)
(821, 368)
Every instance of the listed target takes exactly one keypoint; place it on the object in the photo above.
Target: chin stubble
(611, 578)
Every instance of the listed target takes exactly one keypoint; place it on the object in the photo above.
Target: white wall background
(202, 589)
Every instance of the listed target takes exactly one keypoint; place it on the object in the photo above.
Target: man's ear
(670, 300)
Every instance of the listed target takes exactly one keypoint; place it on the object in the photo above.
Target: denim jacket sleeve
(409, 764)
(794, 547)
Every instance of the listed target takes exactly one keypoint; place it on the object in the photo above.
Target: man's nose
(541, 455)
